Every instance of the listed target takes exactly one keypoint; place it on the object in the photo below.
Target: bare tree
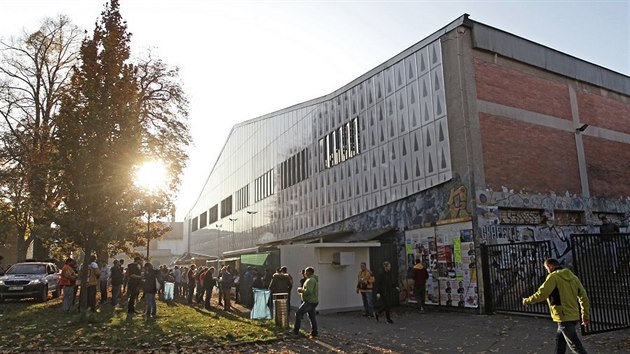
(34, 72)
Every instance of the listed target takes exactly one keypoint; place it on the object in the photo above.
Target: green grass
(31, 326)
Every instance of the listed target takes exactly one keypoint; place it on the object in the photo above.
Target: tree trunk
(22, 245)
(40, 251)
(84, 282)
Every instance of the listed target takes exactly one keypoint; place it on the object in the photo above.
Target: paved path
(438, 332)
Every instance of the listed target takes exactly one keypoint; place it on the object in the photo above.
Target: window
(213, 214)
(340, 145)
(194, 224)
(241, 198)
(295, 169)
(226, 207)
(203, 220)
(263, 186)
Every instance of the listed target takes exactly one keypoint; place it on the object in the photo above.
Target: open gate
(513, 271)
(602, 264)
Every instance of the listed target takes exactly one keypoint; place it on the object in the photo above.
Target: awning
(188, 257)
(250, 250)
(256, 259)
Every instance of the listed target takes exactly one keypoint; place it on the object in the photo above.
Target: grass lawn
(32, 326)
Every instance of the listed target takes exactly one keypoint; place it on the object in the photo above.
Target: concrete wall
(337, 284)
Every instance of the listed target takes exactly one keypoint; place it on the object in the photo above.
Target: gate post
(487, 286)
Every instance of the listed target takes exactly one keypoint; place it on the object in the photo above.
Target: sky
(243, 59)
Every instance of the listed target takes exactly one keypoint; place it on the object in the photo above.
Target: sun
(151, 175)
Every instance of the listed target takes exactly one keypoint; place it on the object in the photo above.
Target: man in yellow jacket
(365, 283)
(563, 290)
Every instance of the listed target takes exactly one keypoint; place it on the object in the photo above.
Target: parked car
(30, 280)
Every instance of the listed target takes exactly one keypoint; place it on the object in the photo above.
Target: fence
(513, 271)
(602, 263)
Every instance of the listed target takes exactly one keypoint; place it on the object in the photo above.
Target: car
(30, 280)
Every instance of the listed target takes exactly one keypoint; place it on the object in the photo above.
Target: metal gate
(511, 272)
(602, 264)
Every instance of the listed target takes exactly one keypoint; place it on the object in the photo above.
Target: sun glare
(151, 175)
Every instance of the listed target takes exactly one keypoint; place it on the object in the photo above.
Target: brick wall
(604, 112)
(535, 158)
(518, 89)
(608, 165)
(530, 157)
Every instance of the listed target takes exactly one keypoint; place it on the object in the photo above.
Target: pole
(148, 228)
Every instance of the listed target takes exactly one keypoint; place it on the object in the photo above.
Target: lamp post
(151, 176)
(218, 237)
(251, 236)
(233, 238)
(148, 226)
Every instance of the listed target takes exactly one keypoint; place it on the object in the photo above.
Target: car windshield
(27, 269)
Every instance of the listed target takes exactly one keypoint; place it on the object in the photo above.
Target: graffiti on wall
(508, 217)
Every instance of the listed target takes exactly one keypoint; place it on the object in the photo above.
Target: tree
(34, 72)
(113, 115)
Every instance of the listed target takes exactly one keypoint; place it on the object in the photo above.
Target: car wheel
(43, 297)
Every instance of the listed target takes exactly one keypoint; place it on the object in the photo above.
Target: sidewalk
(437, 332)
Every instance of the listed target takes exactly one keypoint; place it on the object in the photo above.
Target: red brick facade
(517, 89)
(604, 112)
(608, 164)
(528, 157)
(539, 159)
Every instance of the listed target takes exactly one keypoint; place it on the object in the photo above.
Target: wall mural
(509, 217)
(443, 205)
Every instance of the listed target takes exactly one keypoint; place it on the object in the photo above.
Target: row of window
(263, 186)
(340, 145)
(241, 198)
(294, 169)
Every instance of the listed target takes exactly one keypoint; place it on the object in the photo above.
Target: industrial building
(472, 136)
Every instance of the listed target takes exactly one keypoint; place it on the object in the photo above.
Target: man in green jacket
(310, 300)
(563, 291)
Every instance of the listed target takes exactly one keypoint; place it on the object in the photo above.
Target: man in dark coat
(386, 289)
(281, 283)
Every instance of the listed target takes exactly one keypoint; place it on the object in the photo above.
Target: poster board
(448, 253)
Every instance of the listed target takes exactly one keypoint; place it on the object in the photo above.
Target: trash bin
(169, 291)
(280, 312)
(260, 310)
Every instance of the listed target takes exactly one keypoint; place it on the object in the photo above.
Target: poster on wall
(448, 253)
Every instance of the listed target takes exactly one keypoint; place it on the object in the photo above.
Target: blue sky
(243, 59)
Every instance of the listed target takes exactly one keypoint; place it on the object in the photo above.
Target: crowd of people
(193, 285)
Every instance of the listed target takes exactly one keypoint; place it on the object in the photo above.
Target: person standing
(208, 285)
(310, 299)
(134, 274)
(116, 279)
(103, 281)
(365, 285)
(281, 283)
(246, 288)
(93, 279)
(151, 281)
(608, 233)
(68, 282)
(190, 275)
(563, 291)
(419, 275)
(177, 274)
(227, 281)
(386, 289)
